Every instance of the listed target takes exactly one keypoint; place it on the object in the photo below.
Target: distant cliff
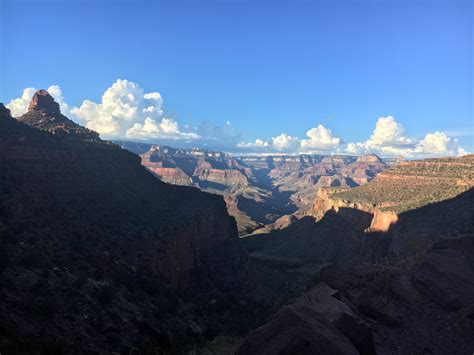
(408, 186)
(324, 202)
(257, 189)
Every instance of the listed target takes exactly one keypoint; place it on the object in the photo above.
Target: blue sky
(268, 68)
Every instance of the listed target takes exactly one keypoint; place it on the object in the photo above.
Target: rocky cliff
(86, 230)
(381, 220)
(211, 171)
(409, 290)
(409, 185)
(257, 190)
(426, 307)
(213, 227)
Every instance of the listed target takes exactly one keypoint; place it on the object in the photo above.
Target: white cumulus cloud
(150, 129)
(127, 111)
(389, 139)
(388, 132)
(438, 143)
(285, 142)
(320, 138)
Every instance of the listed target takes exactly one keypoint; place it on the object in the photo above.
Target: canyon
(117, 247)
(390, 267)
(258, 190)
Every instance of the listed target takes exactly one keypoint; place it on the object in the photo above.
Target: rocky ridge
(408, 186)
(87, 231)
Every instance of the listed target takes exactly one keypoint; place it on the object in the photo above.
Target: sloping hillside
(94, 248)
(414, 184)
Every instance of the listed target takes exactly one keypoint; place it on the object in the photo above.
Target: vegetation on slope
(414, 184)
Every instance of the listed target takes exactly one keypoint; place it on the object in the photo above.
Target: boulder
(339, 314)
(297, 329)
(320, 322)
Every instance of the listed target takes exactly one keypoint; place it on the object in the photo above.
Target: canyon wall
(75, 178)
(381, 220)
(408, 186)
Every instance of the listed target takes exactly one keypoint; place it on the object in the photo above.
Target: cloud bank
(389, 139)
(126, 111)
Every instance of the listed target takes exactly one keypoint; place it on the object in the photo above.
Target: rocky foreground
(374, 309)
(409, 290)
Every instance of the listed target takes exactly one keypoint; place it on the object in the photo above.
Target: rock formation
(408, 186)
(410, 290)
(99, 249)
(319, 322)
(423, 307)
(44, 113)
(257, 190)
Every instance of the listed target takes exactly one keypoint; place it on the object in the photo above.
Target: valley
(258, 190)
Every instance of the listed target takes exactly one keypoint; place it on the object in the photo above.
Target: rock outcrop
(44, 113)
(381, 220)
(208, 225)
(43, 101)
(420, 303)
(319, 322)
(422, 307)
(408, 186)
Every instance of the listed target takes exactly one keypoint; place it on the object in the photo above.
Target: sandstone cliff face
(305, 175)
(224, 177)
(174, 176)
(381, 220)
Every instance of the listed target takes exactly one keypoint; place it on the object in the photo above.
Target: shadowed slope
(91, 242)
